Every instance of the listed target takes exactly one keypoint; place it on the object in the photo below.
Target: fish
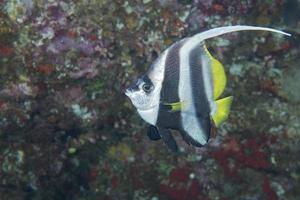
(182, 88)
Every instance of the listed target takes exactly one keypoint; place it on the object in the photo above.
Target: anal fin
(223, 108)
(168, 139)
(155, 133)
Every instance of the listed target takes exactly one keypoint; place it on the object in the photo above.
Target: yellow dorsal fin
(218, 75)
(223, 108)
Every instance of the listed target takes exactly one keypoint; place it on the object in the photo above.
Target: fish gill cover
(68, 132)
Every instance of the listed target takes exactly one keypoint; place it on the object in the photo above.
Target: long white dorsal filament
(196, 39)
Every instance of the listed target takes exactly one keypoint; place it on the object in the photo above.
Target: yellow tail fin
(223, 107)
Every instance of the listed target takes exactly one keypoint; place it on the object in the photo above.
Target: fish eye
(147, 87)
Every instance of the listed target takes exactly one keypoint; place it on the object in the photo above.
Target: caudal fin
(223, 108)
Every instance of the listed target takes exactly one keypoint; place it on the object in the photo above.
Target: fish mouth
(128, 92)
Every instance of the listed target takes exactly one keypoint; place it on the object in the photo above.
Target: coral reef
(67, 131)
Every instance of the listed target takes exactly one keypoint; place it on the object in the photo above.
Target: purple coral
(87, 68)
(61, 44)
(86, 47)
(54, 12)
(65, 43)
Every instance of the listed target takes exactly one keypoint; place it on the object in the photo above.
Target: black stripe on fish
(200, 100)
(169, 91)
(147, 80)
(167, 118)
(188, 139)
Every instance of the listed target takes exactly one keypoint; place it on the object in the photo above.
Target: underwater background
(67, 131)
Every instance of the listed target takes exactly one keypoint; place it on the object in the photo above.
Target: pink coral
(235, 156)
(269, 192)
(180, 187)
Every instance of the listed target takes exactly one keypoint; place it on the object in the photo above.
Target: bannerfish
(182, 88)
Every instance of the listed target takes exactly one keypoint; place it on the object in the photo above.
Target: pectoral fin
(177, 106)
(223, 108)
(168, 139)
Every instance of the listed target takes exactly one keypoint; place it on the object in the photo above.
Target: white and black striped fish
(181, 90)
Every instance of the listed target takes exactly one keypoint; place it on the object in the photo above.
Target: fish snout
(131, 89)
(128, 91)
